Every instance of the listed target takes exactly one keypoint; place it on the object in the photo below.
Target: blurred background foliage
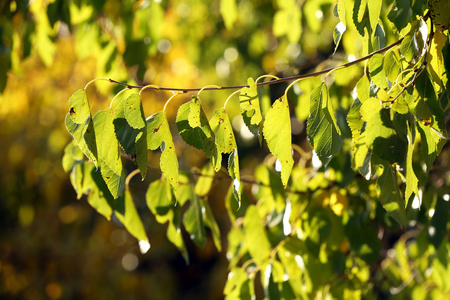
(53, 246)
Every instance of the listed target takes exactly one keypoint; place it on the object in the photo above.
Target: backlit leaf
(108, 153)
(193, 220)
(84, 135)
(249, 103)
(205, 180)
(323, 132)
(390, 196)
(409, 46)
(229, 12)
(210, 222)
(134, 113)
(159, 135)
(79, 109)
(255, 236)
(376, 69)
(400, 13)
(411, 178)
(233, 170)
(277, 132)
(130, 218)
(223, 131)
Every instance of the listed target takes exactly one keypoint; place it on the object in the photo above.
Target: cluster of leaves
(311, 230)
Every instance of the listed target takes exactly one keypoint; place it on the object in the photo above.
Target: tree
(351, 198)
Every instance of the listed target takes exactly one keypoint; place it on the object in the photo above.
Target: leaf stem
(229, 97)
(168, 100)
(93, 80)
(112, 101)
(131, 175)
(149, 86)
(266, 76)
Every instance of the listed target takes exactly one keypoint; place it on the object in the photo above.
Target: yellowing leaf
(249, 103)
(277, 132)
(255, 236)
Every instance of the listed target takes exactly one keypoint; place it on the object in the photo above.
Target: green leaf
(374, 9)
(360, 16)
(233, 170)
(160, 199)
(369, 108)
(379, 38)
(383, 139)
(239, 285)
(205, 181)
(108, 153)
(72, 156)
(376, 70)
(323, 132)
(223, 131)
(249, 104)
(79, 109)
(210, 222)
(363, 89)
(159, 135)
(277, 132)
(390, 196)
(337, 34)
(134, 112)
(256, 237)
(193, 220)
(409, 46)
(229, 12)
(391, 66)
(411, 178)
(431, 144)
(355, 122)
(400, 13)
(84, 135)
(201, 136)
(130, 218)
(362, 235)
(125, 134)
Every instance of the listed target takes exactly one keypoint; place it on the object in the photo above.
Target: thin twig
(235, 87)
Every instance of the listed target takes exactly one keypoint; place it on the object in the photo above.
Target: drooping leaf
(255, 236)
(79, 109)
(205, 180)
(193, 220)
(108, 153)
(379, 38)
(376, 69)
(130, 218)
(277, 132)
(391, 66)
(355, 122)
(249, 104)
(370, 107)
(159, 135)
(160, 199)
(84, 135)
(323, 132)
(239, 285)
(409, 46)
(233, 170)
(389, 194)
(400, 13)
(337, 34)
(223, 131)
(374, 9)
(72, 156)
(431, 144)
(210, 222)
(201, 136)
(133, 111)
(411, 178)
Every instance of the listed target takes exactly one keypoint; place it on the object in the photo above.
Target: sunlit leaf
(133, 111)
(210, 222)
(249, 103)
(390, 196)
(108, 153)
(130, 218)
(223, 131)
(84, 135)
(400, 13)
(193, 220)
(409, 45)
(323, 132)
(233, 170)
(159, 198)
(79, 109)
(159, 135)
(255, 236)
(376, 69)
(277, 132)
(205, 180)
(411, 178)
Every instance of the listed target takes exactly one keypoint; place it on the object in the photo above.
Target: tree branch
(236, 87)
